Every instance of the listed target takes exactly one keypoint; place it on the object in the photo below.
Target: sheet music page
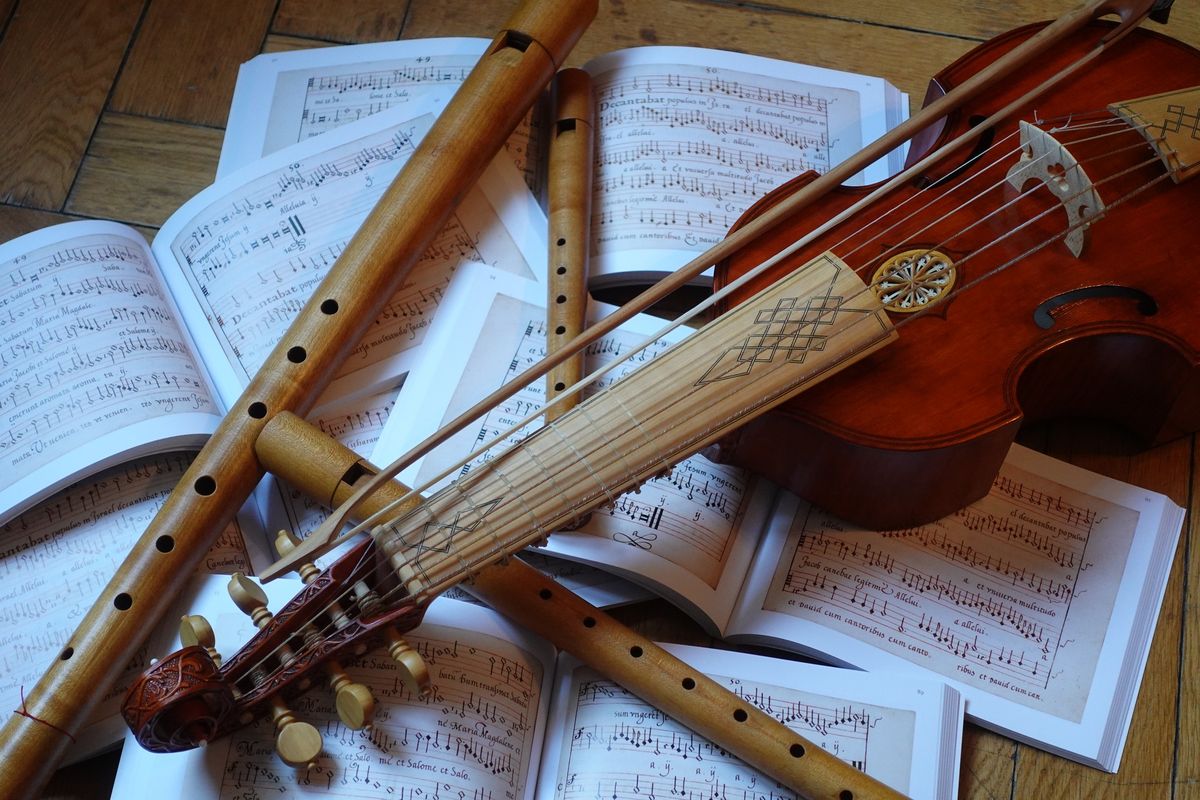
(688, 138)
(609, 743)
(1025, 599)
(94, 366)
(56, 557)
(679, 531)
(244, 255)
(478, 736)
(309, 92)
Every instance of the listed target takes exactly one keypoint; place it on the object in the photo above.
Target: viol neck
(784, 339)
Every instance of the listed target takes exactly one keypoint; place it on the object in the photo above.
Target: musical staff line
(471, 738)
(252, 255)
(617, 743)
(682, 151)
(337, 95)
(986, 596)
(90, 346)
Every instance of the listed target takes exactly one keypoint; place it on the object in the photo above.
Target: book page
(244, 255)
(905, 732)
(56, 557)
(1025, 599)
(308, 92)
(94, 367)
(478, 735)
(688, 138)
(678, 531)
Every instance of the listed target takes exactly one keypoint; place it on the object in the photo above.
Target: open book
(686, 138)
(114, 349)
(507, 720)
(55, 559)
(1037, 602)
(58, 555)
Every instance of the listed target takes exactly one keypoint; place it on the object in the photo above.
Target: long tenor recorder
(566, 620)
(569, 197)
(504, 84)
(317, 465)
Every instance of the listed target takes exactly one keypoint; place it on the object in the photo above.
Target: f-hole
(1043, 315)
(982, 143)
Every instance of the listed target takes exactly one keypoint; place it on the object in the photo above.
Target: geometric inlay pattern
(1179, 119)
(788, 331)
(453, 527)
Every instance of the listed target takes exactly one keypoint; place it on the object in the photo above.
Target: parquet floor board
(342, 21)
(1187, 733)
(16, 221)
(964, 18)
(281, 43)
(183, 65)
(989, 763)
(6, 10)
(140, 170)
(907, 58)
(57, 64)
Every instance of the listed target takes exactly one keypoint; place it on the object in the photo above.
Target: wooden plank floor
(114, 109)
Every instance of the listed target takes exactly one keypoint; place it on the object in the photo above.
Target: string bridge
(1044, 158)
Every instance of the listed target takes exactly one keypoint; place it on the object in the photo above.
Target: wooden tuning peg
(250, 598)
(195, 630)
(286, 542)
(297, 743)
(354, 702)
(413, 672)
